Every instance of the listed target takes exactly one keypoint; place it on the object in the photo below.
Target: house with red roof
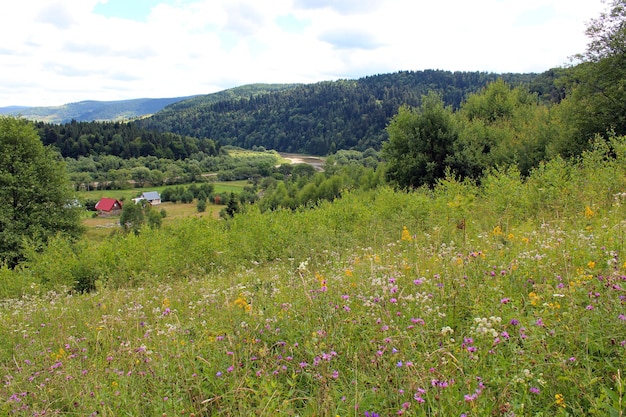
(108, 206)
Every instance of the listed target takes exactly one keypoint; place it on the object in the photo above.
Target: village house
(108, 206)
(152, 197)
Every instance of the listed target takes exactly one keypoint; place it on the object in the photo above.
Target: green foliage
(201, 205)
(124, 140)
(597, 94)
(321, 118)
(36, 201)
(135, 215)
(377, 301)
(303, 186)
(501, 126)
(420, 143)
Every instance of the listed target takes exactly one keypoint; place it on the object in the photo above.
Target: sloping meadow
(504, 298)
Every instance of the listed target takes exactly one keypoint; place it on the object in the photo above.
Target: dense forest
(125, 140)
(324, 117)
(319, 118)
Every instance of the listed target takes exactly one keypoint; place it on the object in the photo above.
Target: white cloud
(59, 51)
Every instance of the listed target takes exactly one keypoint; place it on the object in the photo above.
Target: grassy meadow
(100, 227)
(500, 299)
(130, 193)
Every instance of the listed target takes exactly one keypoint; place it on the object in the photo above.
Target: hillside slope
(91, 110)
(319, 118)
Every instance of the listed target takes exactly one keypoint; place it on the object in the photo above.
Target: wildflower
(534, 390)
(406, 236)
(446, 329)
(418, 395)
(242, 303)
(591, 264)
(470, 398)
(559, 400)
(497, 231)
(534, 298)
(589, 212)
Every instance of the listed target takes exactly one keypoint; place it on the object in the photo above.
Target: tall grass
(505, 298)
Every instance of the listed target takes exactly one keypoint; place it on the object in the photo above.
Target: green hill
(317, 118)
(92, 110)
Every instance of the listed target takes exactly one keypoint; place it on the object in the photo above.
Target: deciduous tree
(36, 199)
(419, 143)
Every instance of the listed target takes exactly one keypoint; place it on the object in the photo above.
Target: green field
(98, 227)
(127, 194)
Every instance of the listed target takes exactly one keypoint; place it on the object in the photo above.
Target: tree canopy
(319, 118)
(36, 200)
(597, 99)
(420, 142)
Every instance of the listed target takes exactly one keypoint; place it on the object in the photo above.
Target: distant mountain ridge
(92, 110)
(119, 110)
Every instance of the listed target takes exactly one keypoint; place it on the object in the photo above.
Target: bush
(201, 206)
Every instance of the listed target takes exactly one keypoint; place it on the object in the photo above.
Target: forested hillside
(125, 140)
(323, 117)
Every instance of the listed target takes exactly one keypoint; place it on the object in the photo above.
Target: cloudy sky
(54, 52)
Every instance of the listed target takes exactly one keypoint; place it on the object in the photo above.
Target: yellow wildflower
(589, 212)
(534, 298)
(165, 303)
(405, 234)
(59, 355)
(560, 400)
(242, 303)
(348, 272)
(497, 231)
(591, 264)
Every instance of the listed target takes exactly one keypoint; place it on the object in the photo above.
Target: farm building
(107, 206)
(152, 197)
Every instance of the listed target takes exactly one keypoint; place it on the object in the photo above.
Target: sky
(54, 52)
